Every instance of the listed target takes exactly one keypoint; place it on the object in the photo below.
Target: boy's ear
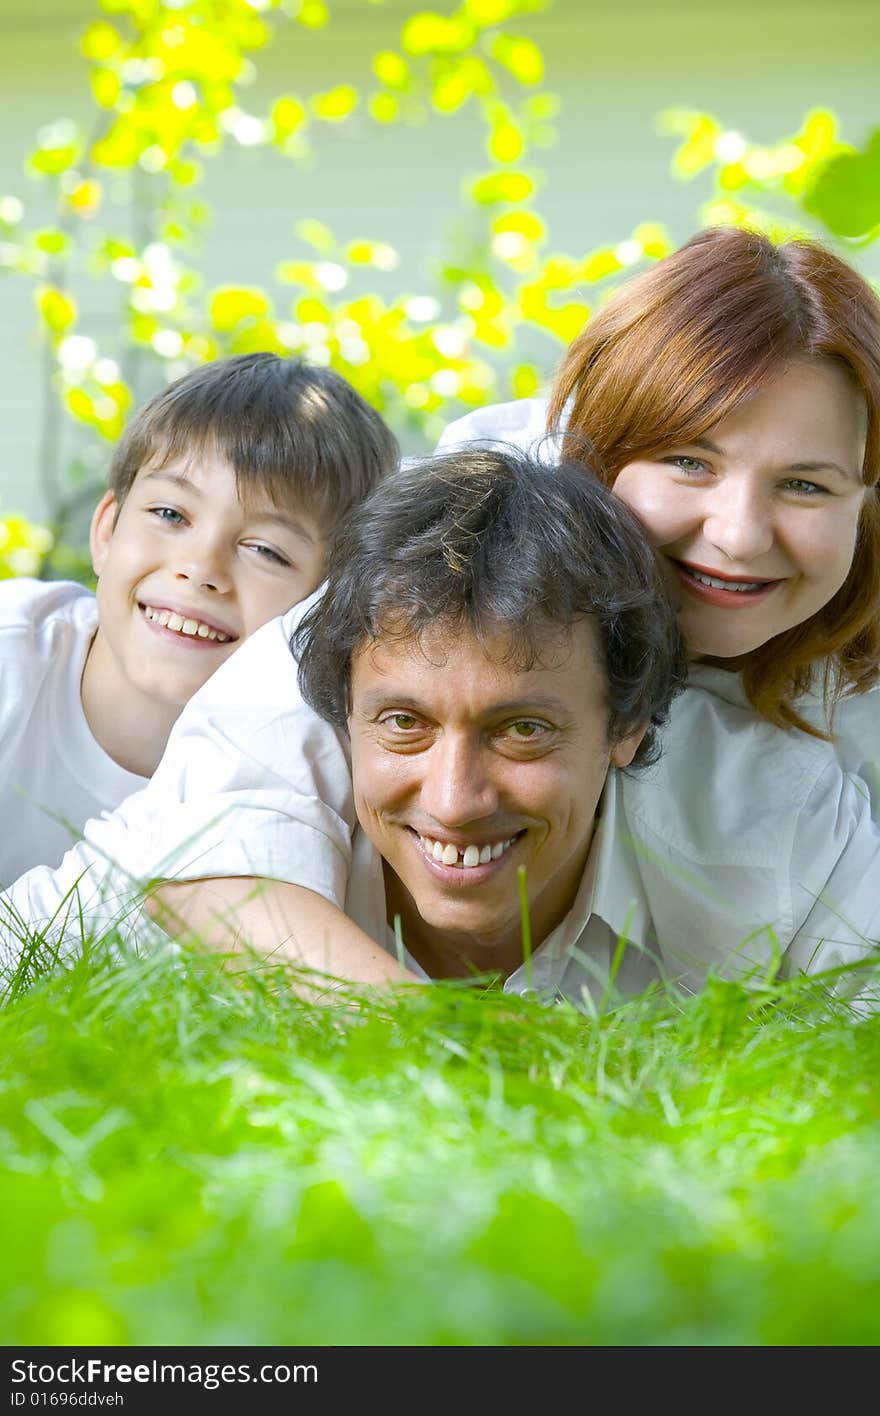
(623, 752)
(101, 529)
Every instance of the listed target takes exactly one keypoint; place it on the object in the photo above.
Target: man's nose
(739, 521)
(457, 788)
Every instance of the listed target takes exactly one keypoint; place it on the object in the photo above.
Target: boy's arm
(252, 784)
(279, 922)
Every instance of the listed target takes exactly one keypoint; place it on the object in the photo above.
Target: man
(496, 637)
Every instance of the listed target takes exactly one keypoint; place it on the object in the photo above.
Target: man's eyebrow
(819, 465)
(382, 697)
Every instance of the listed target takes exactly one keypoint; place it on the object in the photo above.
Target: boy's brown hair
(294, 432)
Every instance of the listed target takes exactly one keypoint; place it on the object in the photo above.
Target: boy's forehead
(204, 470)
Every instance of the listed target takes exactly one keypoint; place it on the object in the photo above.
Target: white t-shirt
(54, 776)
(522, 424)
(743, 844)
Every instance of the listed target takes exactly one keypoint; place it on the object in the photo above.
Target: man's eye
(526, 730)
(400, 721)
(167, 513)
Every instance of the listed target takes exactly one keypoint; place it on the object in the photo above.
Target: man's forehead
(502, 655)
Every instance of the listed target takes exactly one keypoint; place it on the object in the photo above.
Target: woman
(731, 396)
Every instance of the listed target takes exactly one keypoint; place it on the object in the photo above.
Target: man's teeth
(169, 620)
(719, 584)
(466, 857)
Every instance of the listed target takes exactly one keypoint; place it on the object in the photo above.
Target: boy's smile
(186, 571)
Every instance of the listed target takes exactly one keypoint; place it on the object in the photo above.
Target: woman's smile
(760, 514)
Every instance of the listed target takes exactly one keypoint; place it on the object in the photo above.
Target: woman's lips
(710, 587)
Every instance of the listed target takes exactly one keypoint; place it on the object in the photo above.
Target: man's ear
(101, 529)
(623, 752)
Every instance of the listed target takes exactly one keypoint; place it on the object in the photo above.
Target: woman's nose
(739, 521)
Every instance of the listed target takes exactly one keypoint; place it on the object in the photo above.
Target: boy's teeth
(718, 584)
(467, 857)
(169, 619)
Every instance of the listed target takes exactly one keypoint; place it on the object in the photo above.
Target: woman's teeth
(465, 857)
(169, 620)
(718, 584)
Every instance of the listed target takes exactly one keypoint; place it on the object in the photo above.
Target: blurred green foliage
(168, 81)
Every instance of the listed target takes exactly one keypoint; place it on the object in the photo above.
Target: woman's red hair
(679, 348)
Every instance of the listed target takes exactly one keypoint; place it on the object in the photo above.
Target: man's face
(466, 767)
(186, 571)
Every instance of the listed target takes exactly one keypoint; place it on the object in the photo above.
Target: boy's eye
(803, 488)
(267, 553)
(167, 513)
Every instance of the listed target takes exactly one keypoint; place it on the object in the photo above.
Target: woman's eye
(167, 513)
(687, 464)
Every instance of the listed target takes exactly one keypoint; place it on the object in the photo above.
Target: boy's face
(186, 572)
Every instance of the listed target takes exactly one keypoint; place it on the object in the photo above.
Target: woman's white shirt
(856, 726)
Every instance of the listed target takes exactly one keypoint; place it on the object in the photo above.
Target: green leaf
(845, 193)
(100, 41)
(57, 309)
(430, 33)
(336, 103)
(502, 187)
(230, 304)
(521, 57)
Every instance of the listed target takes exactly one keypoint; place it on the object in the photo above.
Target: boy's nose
(204, 567)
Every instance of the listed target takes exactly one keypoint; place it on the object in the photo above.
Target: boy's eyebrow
(290, 522)
(267, 513)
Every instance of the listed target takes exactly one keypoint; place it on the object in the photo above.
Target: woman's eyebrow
(817, 465)
(823, 466)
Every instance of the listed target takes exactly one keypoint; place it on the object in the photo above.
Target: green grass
(190, 1157)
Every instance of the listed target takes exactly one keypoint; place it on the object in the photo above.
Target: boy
(222, 494)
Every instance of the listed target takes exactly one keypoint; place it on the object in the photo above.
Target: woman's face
(757, 519)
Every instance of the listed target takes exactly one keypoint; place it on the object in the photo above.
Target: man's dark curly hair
(496, 542)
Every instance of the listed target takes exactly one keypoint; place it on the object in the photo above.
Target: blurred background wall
(759, 65)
